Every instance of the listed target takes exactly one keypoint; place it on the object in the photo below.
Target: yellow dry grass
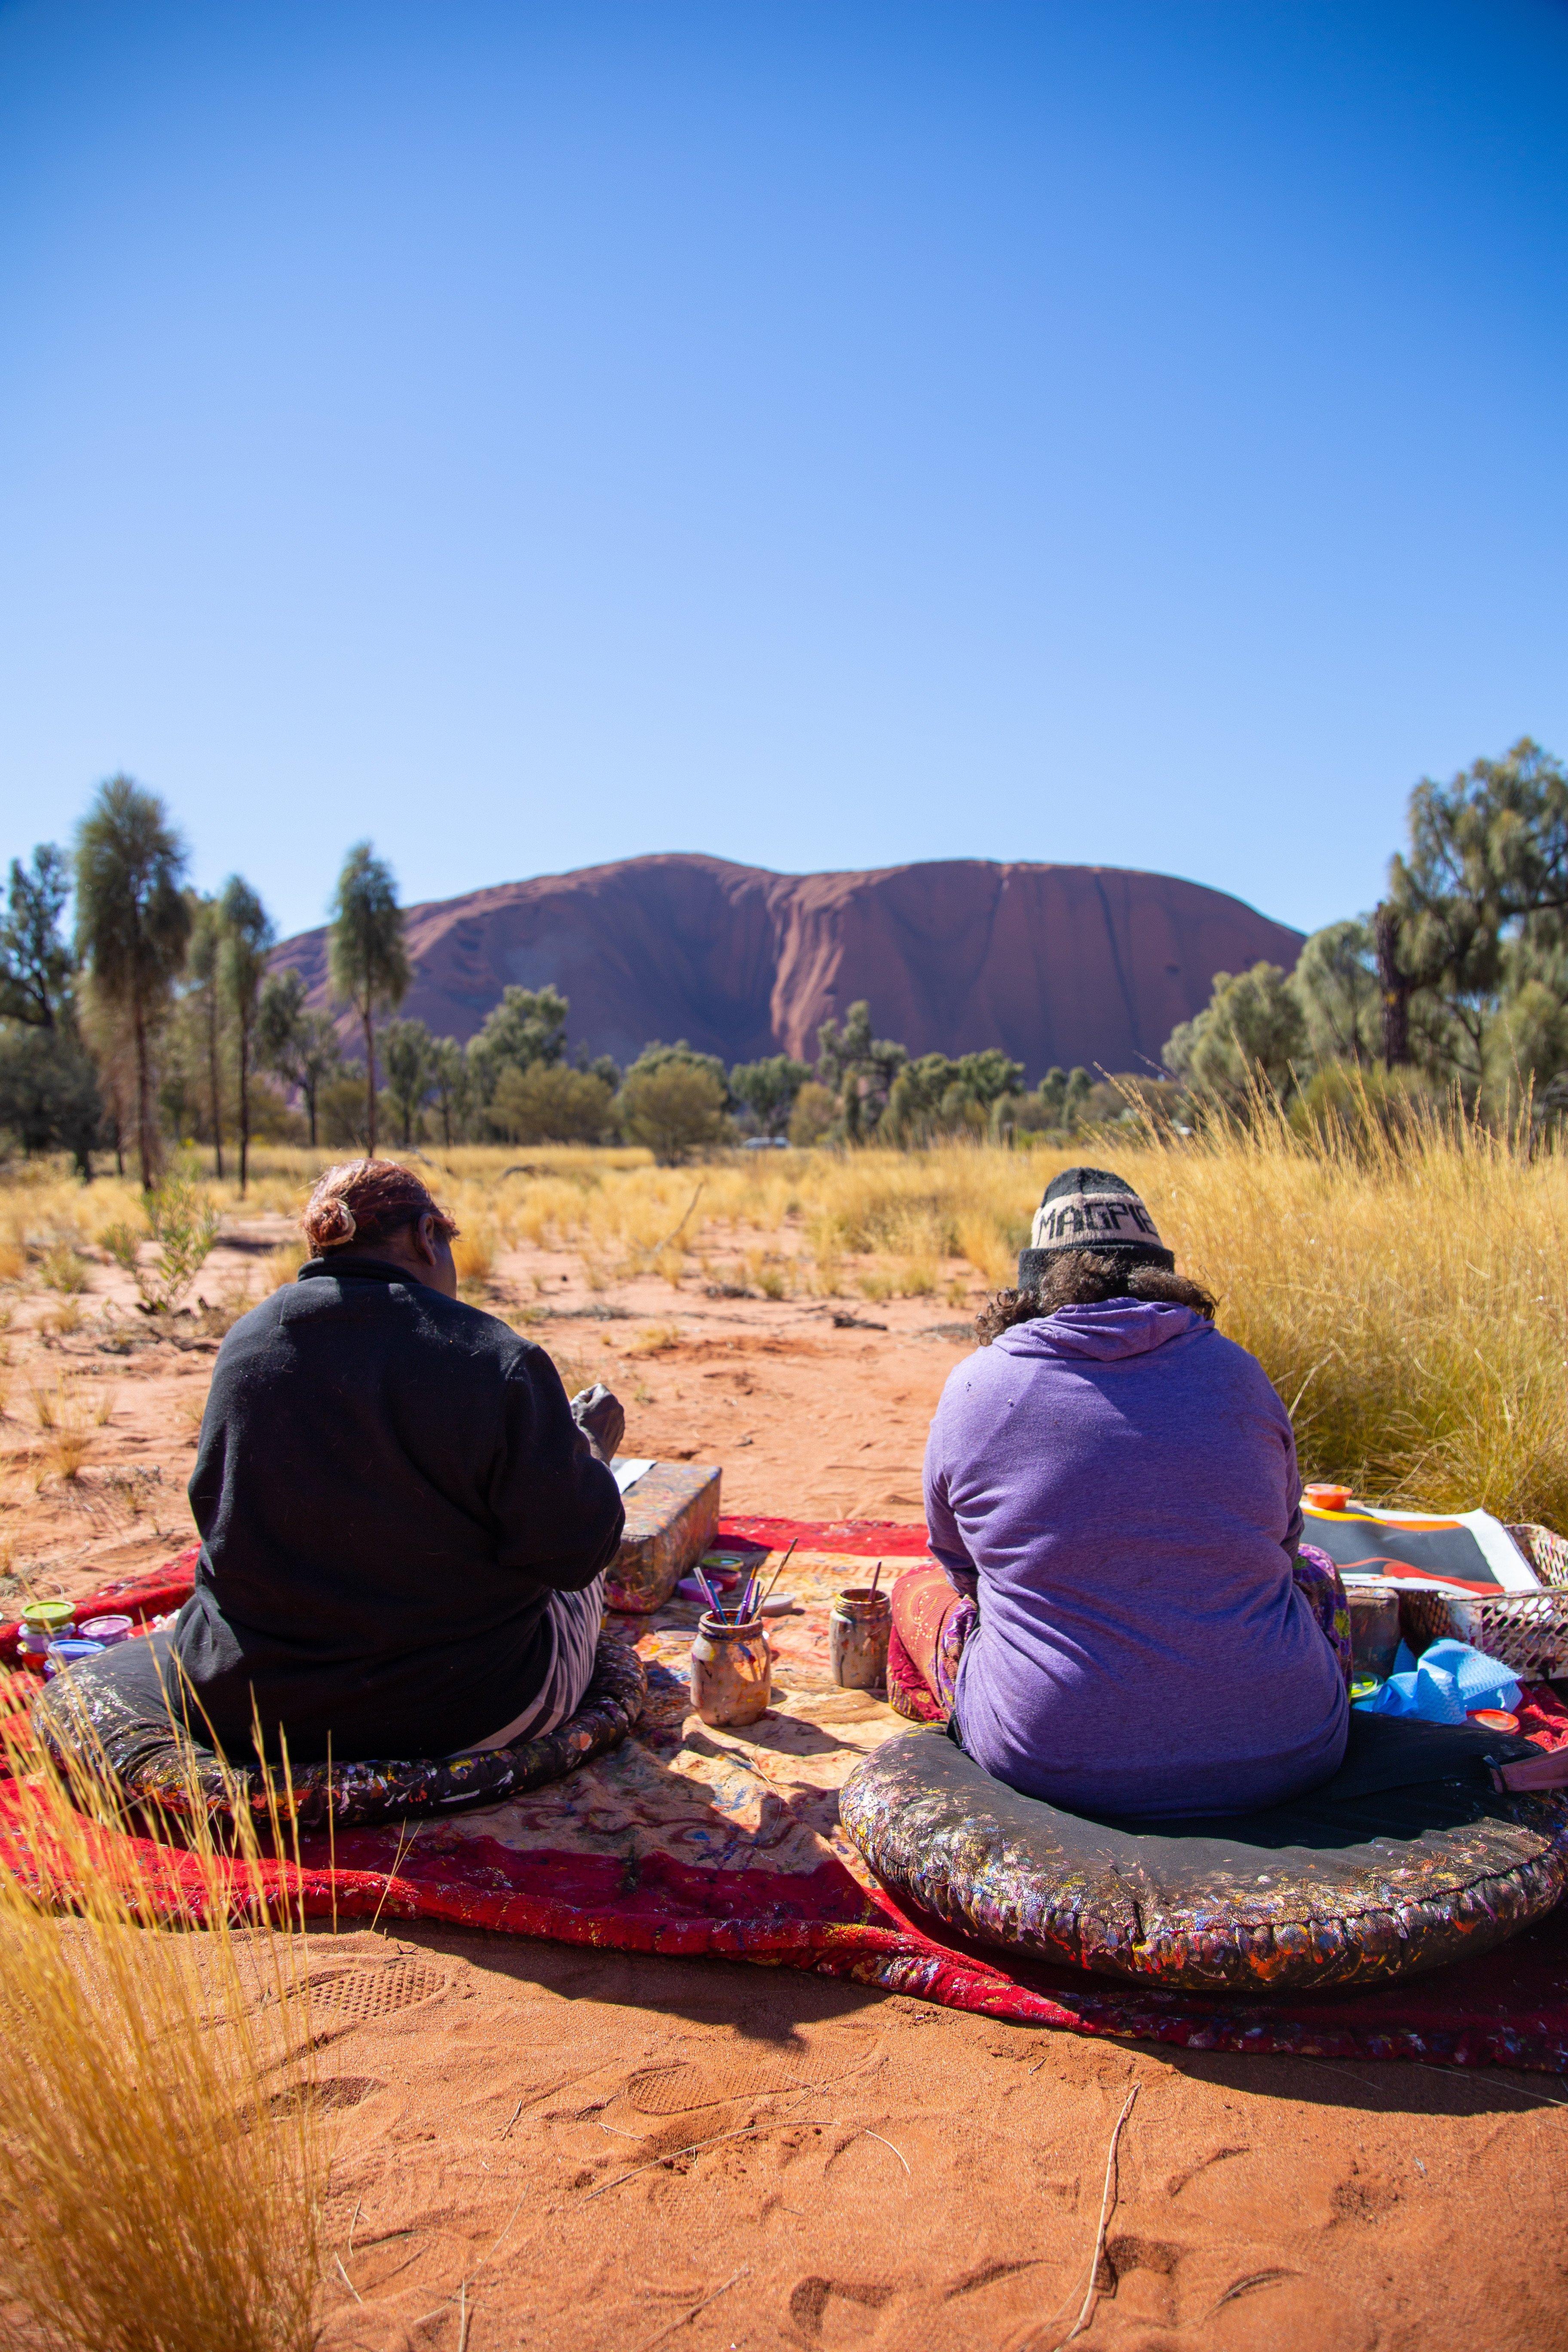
(1407, 1299)
(162, 2161)
(66, 1437)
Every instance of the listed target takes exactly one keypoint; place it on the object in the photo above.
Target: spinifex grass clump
(161, 2158)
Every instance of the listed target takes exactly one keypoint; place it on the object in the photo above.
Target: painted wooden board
(672, 1517)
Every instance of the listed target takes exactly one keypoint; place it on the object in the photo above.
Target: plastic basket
(1527, 1631)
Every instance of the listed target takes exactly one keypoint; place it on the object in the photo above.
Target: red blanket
(728, 1844)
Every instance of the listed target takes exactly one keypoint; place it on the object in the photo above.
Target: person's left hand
(601, 1416)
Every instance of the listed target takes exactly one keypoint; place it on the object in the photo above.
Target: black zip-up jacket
(389, 1486)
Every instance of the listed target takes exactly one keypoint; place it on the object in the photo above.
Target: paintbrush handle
(780, 1569)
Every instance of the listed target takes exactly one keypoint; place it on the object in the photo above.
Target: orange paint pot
(1327, 1499)
(1494, 1719)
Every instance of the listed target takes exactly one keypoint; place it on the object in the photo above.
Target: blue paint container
(60, 1655)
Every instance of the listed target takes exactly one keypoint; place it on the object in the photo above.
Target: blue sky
(822, 436)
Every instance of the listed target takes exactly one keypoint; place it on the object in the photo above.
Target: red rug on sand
(729, 1846)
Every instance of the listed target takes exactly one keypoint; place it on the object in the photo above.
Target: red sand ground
(785, 2160)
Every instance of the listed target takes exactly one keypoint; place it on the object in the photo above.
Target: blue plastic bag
(1449, 1682)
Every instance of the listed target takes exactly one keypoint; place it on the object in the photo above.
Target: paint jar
(43, 1622)
(1327, 1499)
(107, 1630)
(1375, 1629)
(859, 1623)
(61, 1655)
(731, 1670)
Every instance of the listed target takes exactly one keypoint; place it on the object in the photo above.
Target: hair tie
(343, 1209)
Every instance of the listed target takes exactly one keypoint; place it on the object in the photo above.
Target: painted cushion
(109, 1716)
(1406, 1859)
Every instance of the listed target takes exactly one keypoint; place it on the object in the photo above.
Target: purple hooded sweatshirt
(1122, 1479)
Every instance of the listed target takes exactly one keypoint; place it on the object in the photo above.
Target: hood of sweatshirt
(1105, 1334)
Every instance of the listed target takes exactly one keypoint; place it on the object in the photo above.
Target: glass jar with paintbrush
(731, 1664)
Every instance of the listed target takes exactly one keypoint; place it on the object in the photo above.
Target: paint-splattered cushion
(109, 1715)
(1406, 1859)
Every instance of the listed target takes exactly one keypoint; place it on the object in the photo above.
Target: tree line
(160, 1016)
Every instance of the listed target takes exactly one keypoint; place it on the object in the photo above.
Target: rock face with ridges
(1055, 963)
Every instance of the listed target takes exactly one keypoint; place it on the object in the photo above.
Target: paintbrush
(713, 1603)
(874, 1580)
(778, 1571)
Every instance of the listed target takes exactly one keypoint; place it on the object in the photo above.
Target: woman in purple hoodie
(1124, 1620)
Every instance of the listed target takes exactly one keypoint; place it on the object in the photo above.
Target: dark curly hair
(1082, 1278)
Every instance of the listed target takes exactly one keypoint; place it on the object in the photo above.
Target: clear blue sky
(824, 436)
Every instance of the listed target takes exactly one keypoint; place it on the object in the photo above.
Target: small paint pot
(859, 1623)
(49, 1618)
(107, 1630)
(1327, 1499)
(1494, 1719)
(780, 1604)
(62, 1654)
(731, 1670)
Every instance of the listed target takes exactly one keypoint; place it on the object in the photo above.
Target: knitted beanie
(1090, 1209)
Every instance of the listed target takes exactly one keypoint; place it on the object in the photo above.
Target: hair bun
(365, 1201)
(332, 1224)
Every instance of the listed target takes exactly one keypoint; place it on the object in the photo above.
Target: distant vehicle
(765, 1143)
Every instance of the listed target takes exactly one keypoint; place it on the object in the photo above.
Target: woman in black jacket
(405, 1525)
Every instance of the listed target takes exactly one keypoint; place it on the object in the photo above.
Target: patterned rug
(694, 1841)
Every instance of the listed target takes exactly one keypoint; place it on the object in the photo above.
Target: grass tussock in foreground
(160, 2161)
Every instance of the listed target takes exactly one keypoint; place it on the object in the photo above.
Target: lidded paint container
(731, 1670)
(859, 1623)
(61, 1655)
(43, 1622)
(107, 1630)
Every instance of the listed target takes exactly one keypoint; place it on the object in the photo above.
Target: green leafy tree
(452, 1087)
(367, 957)
(297, 1045)
(672, 1105)
(1251, 1032)
(133, 927)
(204, 996)
(936, 1096)
(859, 1068)
(1477, 910)
(549, 1103)
(408, 1057)
(36, 965)
(528, 1025)
(768, 1089)
(340, 1105)
(815, 1115)
(248, 936)
(49, 1098)
(1336, 985)
(657, 1057)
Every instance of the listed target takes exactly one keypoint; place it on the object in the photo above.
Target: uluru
(1057, 964)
